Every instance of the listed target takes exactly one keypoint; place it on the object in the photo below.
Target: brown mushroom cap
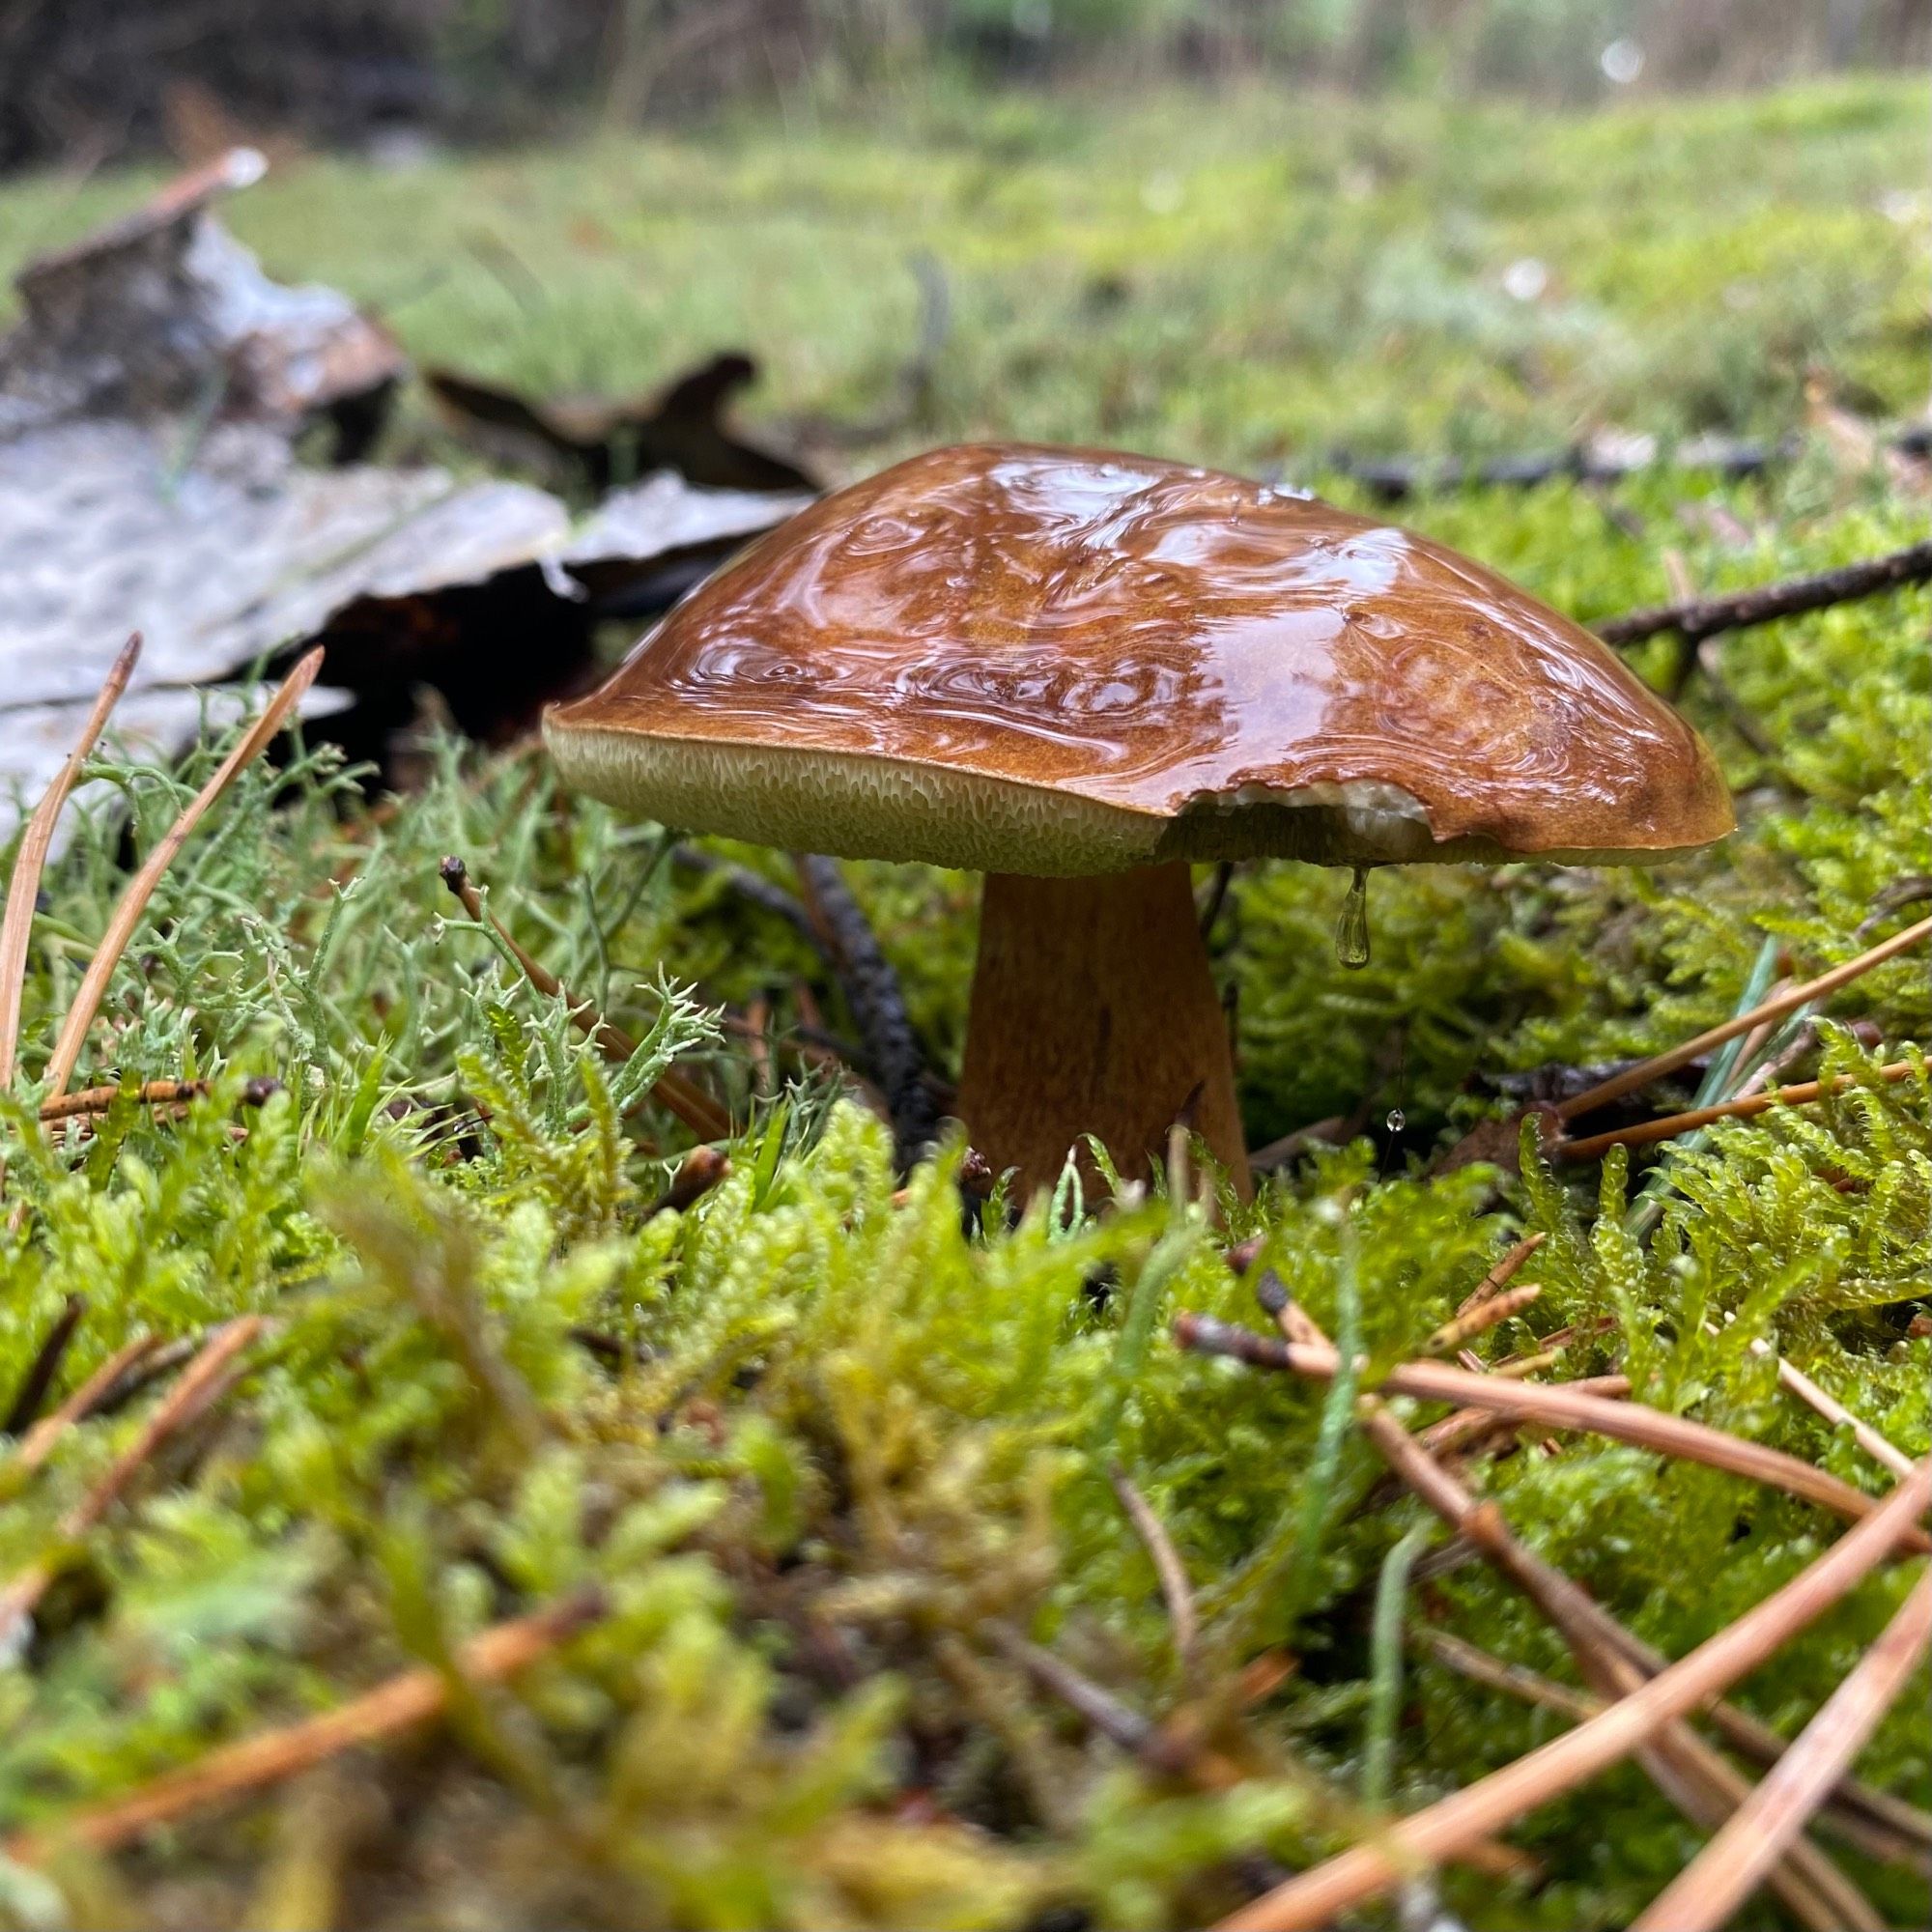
(1060, 661)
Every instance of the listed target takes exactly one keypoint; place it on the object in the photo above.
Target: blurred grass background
(1250, 276)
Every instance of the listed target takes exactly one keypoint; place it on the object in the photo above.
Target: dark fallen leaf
(683, 427)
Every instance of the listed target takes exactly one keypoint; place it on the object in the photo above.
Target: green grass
(855, 1438)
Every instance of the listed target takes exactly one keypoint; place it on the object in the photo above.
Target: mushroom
(1079, 672)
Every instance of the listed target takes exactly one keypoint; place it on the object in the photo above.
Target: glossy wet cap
(1062, 661)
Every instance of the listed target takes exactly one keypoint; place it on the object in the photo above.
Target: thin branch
(1728, 1869)
(1500, 1275)
(140, 889)
(1788, 1001)
(1558, 1405)
(681, 1096)
(877, 1001)
(272, 1757)
(24, 888)
(1314, 1897)
(1174, 1589)
(1698, 618)
(1646, 1132)
(99, 1100)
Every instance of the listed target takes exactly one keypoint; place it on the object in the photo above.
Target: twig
(204, 1380)
(1500, 1275)
(1314, 1897)
(1174, 1589)
(1395, 479)
(1726, 1871)
(678, 1096)
(1704, 617)
(43, 1438)
(757, 890)
(1484, 1315)
(1559, 1405)
(140, 889)
(42, 1369)
(272, 1757)
(24, 888)
(1644, 1071)
(1647, 1132)
(99, 1100)
(877, 1001)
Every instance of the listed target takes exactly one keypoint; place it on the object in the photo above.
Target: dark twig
(877, 1001)
(755, 891)
(1392, 479)
(1703, 618)
(42, 1369)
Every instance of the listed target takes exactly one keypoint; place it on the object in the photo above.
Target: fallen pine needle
(1484, 1315)
(1743, 1108)
(1314, 1897)
(99, 1100)
(1785, 1004)
(1875, 1445)
(1728, 1869)
(1560, 1405)
(140, 889)
(1500, 1275)
(24, 888)
(1694, 1777)
(202, 1383)
(41, 1440)
(413, 1698)
(1174, 1589)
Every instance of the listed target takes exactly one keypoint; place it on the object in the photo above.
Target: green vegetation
(829, 1450)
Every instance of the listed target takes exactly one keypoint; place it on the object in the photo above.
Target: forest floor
(805, 1463)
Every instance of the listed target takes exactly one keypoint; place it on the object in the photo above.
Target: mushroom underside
(874, 806)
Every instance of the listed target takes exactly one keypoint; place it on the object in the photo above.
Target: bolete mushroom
(1078, 671)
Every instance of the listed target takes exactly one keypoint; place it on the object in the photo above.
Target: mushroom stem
(1093, 1011)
